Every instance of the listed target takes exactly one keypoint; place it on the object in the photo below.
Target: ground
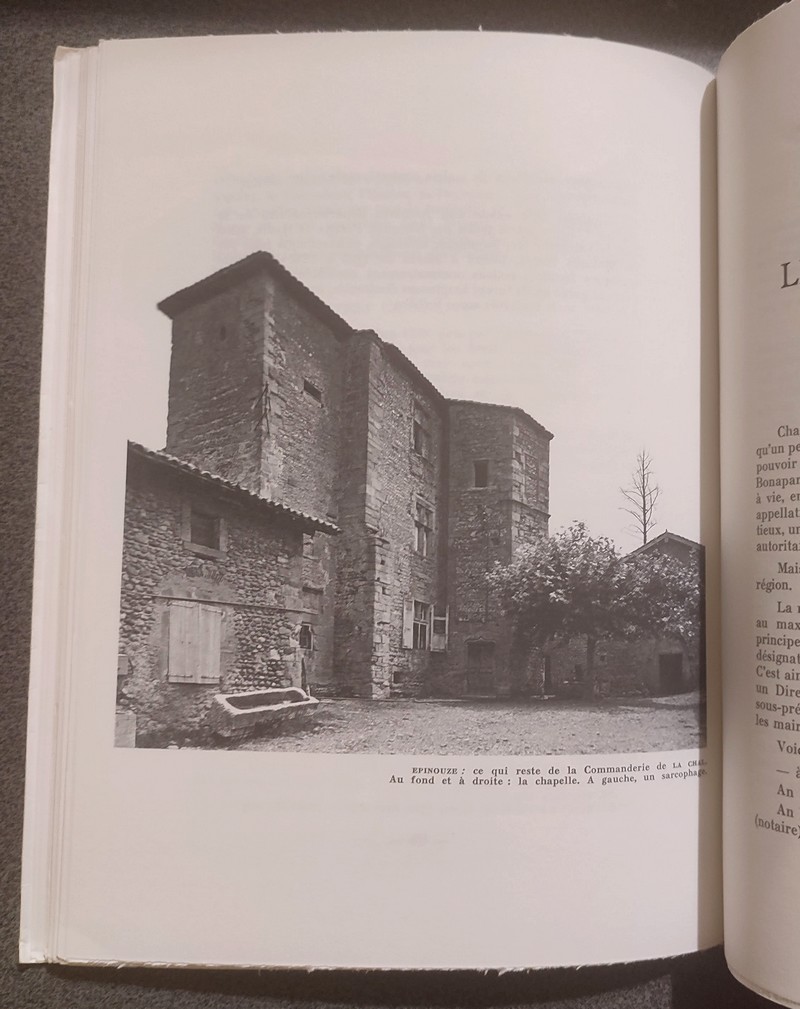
(497, 727)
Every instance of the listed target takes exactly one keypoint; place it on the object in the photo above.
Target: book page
(381, 329)
(759, 158)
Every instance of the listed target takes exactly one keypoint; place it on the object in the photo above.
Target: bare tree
(641, 495)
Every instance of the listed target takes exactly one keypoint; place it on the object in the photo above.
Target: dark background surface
(29, 34)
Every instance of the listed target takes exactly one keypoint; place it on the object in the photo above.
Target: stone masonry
(248, 589)
(275, 393)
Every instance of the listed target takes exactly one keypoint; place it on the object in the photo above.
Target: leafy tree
(572, 584)
(665, 596)
(641, 496)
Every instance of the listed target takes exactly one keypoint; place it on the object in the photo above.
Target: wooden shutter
(183, 626)
(441, 615)
(195, 635)
(408, 623)
(209, 637)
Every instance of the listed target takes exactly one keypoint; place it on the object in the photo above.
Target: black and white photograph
(325, 530)
(402, 474)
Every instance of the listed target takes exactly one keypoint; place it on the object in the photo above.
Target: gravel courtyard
(499, 727)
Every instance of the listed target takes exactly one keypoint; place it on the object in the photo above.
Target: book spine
(46, 771)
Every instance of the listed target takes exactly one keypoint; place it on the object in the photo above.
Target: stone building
(407, 497)
(212, 595)
(645, 667)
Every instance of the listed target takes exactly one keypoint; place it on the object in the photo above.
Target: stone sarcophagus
(275, 710)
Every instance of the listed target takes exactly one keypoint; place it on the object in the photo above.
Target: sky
(519, 215)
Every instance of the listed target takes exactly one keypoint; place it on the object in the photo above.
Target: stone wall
(216, 381)
(383, 478)
(506, 452)
(624, 668)
(355, 567)
(530, 481)
(401, 476)
(256, 582)
(271, 390)
(256, 396)
(304, 362)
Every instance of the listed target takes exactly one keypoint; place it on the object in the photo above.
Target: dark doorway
(670, 673)
(548, 675)
(480, 668)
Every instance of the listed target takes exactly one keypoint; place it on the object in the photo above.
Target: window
(423, 529)
(195, 634)
(439, 628)
(422, 620)
(481, 467)
(417, 623)
(311, 390)
(306, 637)
(308, 544)
(205, 529)
(422, 432)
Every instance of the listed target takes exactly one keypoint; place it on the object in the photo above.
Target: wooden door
(480, 668)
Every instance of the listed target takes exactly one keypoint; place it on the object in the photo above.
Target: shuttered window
(439, 628)
(195, 635)
(425, 627)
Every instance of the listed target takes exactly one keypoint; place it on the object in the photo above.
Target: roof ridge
(501, 406)
(249, 266)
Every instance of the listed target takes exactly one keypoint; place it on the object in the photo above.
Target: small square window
(311, 390)
(481, 467)
(205, 529)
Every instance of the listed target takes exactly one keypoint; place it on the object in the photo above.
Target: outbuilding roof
(234, 490)
(662, 539)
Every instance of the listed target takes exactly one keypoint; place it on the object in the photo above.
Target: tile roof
(251, 266)
(246, 497)
(500, 406)
(393, 352)
(264, 262)
(665, 537)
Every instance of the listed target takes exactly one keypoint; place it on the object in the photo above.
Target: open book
(418, 506)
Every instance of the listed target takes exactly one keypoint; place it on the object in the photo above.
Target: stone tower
(499, 498)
